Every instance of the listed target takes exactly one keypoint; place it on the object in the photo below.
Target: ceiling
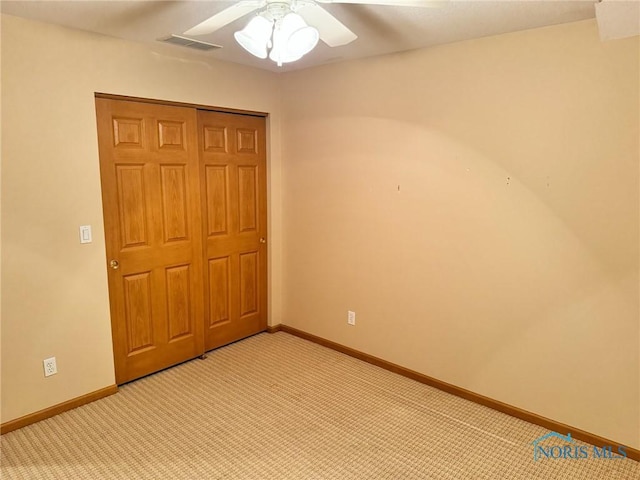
(380, 29)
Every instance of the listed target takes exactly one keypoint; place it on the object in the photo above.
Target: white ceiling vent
(189, 43)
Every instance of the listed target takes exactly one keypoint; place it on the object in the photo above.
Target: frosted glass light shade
(292, 38)
(255, 37)
(303, 41)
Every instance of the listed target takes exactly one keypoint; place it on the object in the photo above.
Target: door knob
(114, 264)
(263, 240)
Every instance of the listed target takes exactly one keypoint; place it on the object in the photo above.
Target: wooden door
(150, 190)
(234, 213)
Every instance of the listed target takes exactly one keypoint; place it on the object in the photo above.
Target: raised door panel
(248, 198)
(249, 300)
(127, 132)
(215, 139)
(247, 140)
(171, 135)
(132, 205)
(138, 313)
(179, 310)
(216, 195)
(174, 202)
(219, 279)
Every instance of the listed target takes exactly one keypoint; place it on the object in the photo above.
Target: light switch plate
(85, 234)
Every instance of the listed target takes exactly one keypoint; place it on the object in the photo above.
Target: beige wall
(54, 296)
(476, 204)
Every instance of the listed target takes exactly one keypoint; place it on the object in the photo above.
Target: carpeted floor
(278, 407)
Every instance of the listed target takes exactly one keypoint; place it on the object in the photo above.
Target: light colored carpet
(278, 407)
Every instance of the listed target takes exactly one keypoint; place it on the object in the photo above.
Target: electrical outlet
(351, 317)
(50, 367)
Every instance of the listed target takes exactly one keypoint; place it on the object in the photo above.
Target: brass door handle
(114, 264)
(263, 240)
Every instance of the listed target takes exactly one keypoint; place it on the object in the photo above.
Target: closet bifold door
(234, 219)
(150, 170)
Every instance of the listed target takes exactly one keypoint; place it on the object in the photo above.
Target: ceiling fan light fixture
(255, 37)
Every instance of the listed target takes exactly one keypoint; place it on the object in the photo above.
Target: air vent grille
(189, 43)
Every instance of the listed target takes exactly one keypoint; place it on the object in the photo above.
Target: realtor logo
(564, 447)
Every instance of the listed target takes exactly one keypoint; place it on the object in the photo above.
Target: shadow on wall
(448, 253)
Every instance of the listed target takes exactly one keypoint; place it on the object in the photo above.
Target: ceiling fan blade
(332, 31)
(225, 17)
(395, 3)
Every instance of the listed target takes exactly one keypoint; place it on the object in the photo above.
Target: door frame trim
(169, 103)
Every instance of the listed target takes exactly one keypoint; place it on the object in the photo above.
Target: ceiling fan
(286, 30)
